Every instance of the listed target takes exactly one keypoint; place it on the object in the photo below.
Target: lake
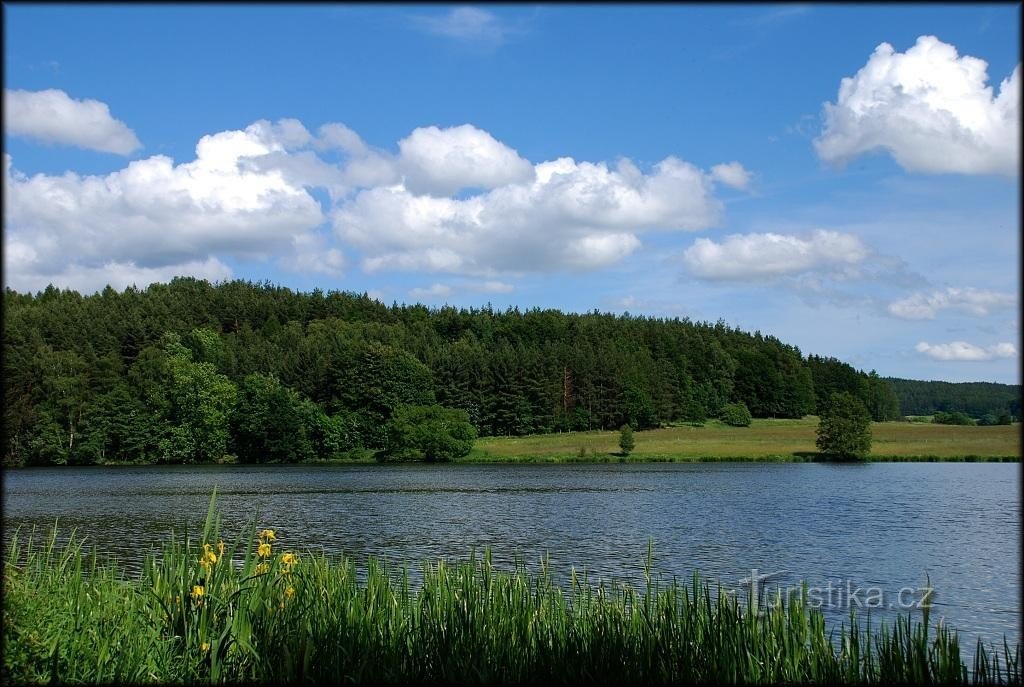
(857, 534)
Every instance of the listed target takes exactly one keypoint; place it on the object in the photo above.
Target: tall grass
(205, 612)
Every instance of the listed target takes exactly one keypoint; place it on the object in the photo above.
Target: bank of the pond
(262, 613)
(766, 440)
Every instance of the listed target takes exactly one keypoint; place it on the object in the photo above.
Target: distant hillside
(974, 398)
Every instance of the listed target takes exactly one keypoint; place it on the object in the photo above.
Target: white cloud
(54, 117)
(443, 291)
(576, 215)
(753, 257)
(248, 195)
(492, 286)
(443, 161)
(731, 174)
(21, 272)
(156, 214)
(963, 351)
(313, 254)
(468, 24)
(977, 302)
(434, 292)
(930, 108)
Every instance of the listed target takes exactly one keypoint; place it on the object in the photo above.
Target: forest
(190, 371)
(975, 399)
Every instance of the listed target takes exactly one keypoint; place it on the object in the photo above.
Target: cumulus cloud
(755, 257)
(731, 174)
(963, 351)
(452, 200)
(930, 109)
(21, 271)
(443, 161)
(577, 215)
(312, 253)
(977, 302)
(155, 214)
(52, 116)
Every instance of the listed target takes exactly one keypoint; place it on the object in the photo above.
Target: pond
(862, 536)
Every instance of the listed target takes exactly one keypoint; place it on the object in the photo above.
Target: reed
(210, 613)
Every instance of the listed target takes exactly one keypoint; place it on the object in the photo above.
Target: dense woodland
(975, 399)
(194, 372)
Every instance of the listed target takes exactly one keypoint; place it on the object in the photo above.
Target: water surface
(877, 528)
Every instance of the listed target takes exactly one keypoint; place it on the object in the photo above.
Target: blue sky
(697, 161)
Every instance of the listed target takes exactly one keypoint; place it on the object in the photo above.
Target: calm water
(876, 527)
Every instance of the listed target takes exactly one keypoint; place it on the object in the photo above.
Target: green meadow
(764, 440)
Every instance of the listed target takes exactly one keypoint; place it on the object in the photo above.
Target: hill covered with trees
(975, 399)
(189, 372)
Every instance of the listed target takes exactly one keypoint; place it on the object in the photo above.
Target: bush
(736, 414)
(429, 432)
(954, 418)
(844, 428)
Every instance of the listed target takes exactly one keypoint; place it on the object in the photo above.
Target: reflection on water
(884, 525)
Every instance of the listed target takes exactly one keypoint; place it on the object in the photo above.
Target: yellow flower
(263, 551)
(208, 555)
(289, 558)
(220, 547)
(289, 593)
(198, 591)
(262, 568)
(205, 647)
(268, 535)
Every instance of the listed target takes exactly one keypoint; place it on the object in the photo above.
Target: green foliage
(200, 406)
(693, 412)
(432, 433)
(954, 418)
(973, 398)
(844, 427)
(272, 423)
(146, 375)
(736, 415)
(626, 441)
(200, 613)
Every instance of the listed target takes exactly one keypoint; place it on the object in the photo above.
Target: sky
(843, 177)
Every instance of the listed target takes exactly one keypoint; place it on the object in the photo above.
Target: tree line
(189, 371)
(974, 399)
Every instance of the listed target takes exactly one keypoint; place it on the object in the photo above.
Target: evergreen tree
(626, 441)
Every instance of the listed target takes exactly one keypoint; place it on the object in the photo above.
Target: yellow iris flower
(198, 591)
(268, 535)
(263, 550)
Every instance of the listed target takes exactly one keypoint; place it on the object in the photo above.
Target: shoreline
(491, 459)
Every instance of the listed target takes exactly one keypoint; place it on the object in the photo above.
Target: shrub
(429, 432)
(736, 414)
(954, 418)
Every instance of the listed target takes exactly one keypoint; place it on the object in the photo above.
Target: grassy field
(764, 440)
(255, 612)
